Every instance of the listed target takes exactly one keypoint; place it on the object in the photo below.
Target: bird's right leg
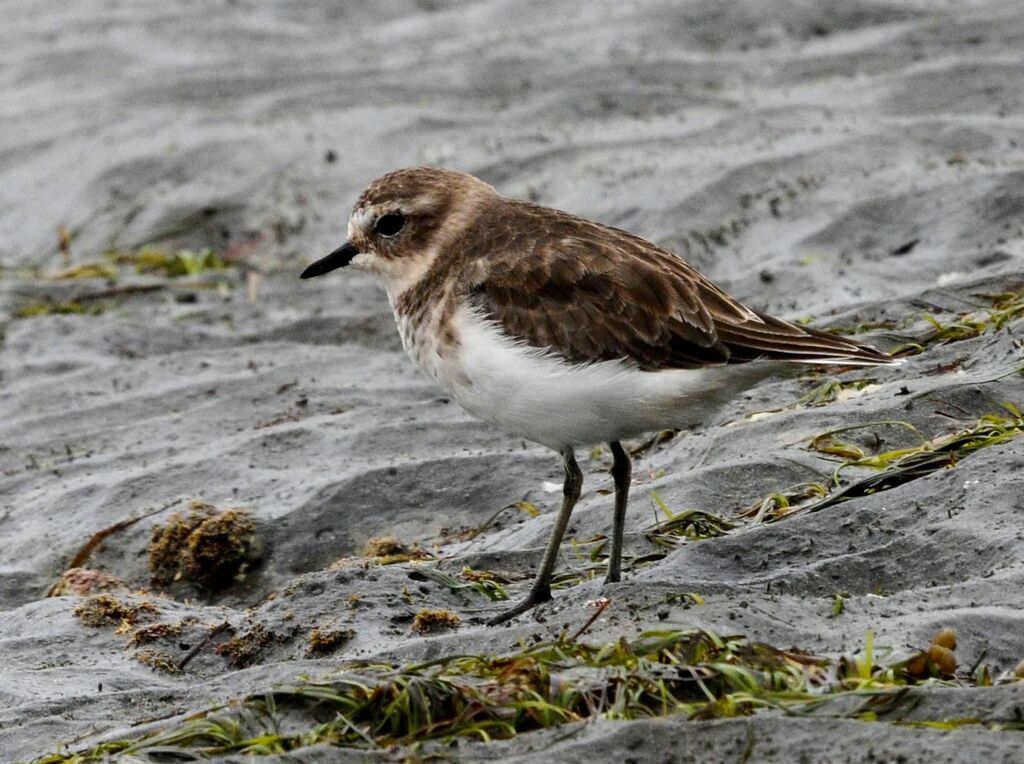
(622, 471)
(541, 589)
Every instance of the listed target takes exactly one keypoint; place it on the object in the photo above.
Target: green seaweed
(170, 263)
(690, 524)
(1005, 307)
(898, 466)
(696, 674)
(35, 308)
(829, 391)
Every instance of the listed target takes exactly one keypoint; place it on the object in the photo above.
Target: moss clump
(387, 550)
(221, 549)
(108, 610)
(158, 660)
(153, 633)
(245, 649)
(323, 641)
(434, 620)
(167, 542)
(384, 546)
(204, 546)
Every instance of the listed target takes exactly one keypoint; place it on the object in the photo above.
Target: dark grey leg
(622, 471)
(541, 589)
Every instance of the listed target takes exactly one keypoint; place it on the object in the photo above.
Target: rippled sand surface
(849, 162)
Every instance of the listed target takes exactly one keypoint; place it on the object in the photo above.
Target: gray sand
(788, 149)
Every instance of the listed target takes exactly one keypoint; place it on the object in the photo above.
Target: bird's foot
(613, 577)
(533, 599)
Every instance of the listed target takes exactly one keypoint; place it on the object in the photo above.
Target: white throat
(397, 280)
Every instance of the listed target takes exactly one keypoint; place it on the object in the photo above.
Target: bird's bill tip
(339, 258)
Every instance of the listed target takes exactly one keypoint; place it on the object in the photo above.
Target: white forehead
(362, 217)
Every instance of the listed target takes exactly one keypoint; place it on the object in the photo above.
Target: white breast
(534, 394)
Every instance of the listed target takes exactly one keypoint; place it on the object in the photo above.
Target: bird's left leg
(622, 471)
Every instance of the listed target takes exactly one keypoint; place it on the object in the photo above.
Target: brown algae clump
(937, 660)
(387, 550)
(434, 620)
(945, 638)
(384, 546)
(158, 660)
(167, 543)
(221, 549)
(207, 547)
(154, 632)
(324, 640)
(942, 659)
(108, 610)
(245, 649)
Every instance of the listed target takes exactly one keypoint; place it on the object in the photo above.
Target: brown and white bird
(561, 330)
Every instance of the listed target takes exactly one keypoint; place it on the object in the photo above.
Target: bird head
(403, 222)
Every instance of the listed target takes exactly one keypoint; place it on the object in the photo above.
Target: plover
(561, 330)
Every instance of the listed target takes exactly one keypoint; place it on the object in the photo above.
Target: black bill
(339, 258)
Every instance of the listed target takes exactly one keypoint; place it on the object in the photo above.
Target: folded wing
(590, 293)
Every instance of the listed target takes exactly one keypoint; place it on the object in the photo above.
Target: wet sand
(852, 163)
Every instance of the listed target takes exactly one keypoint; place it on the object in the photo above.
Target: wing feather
(593, 293)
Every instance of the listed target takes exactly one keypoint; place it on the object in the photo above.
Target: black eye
(390, 224)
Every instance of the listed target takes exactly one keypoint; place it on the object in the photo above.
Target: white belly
(539, 397)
